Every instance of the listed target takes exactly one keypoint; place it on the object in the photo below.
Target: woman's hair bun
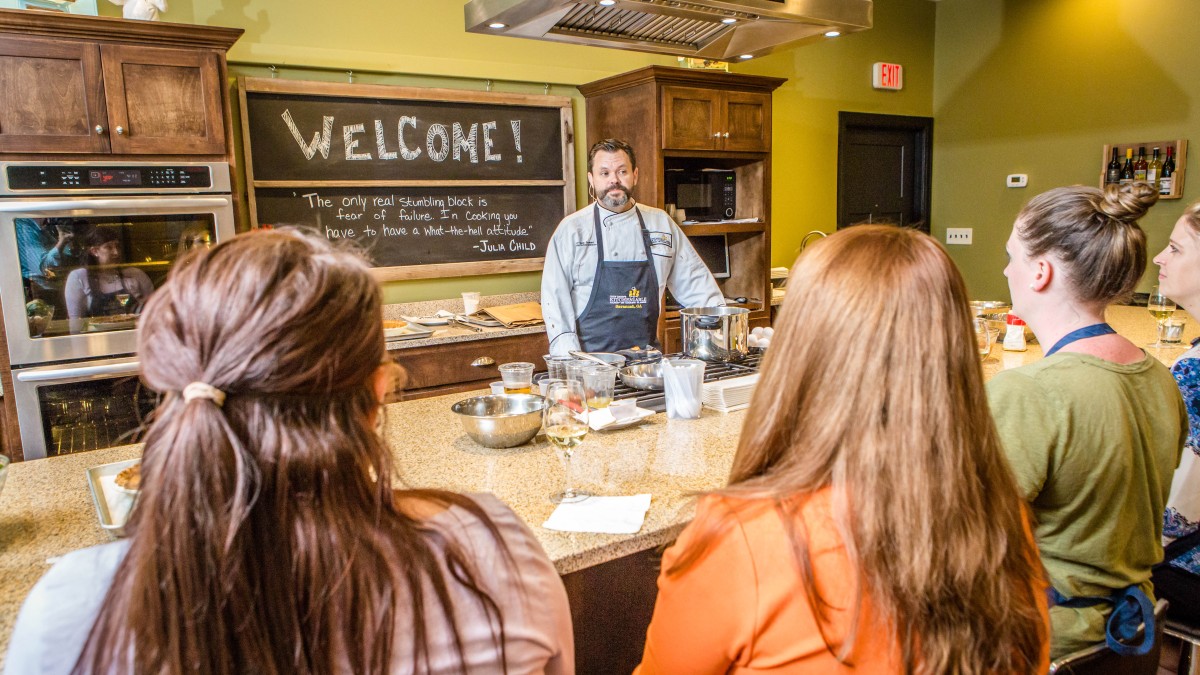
(1128, 203)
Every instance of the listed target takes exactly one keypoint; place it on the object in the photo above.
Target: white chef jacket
(571, 266)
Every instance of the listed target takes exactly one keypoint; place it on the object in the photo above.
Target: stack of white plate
(729, 395)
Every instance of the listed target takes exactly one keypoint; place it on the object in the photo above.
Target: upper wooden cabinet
(712, 119)
(90, 85)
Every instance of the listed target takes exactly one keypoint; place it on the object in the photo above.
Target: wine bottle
(1139, 167)
(1154, 170)
(1127, 170)
(1166, 182)
(1114, 170)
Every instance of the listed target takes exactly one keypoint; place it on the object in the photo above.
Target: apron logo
(631, 300)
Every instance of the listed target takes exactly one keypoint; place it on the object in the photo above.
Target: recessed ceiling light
(746, 56)
(832, 33)
(497, 24)
(608, 3)
(729, 19)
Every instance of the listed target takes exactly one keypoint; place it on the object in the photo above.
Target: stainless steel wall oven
(82, 247)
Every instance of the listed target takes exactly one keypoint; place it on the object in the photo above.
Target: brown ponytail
(267, 537)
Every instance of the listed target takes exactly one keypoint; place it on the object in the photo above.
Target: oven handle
(112, 204)
(76, 373)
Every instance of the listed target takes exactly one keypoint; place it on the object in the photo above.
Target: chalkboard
(417, 226)
(315, 137)
(430, 182)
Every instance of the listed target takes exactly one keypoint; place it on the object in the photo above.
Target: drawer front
(437, 366)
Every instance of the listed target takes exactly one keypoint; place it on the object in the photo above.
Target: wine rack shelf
(1180, 150)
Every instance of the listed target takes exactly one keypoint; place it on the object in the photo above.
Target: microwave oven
(703, 195)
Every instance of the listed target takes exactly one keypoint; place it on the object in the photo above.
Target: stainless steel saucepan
(715, 333)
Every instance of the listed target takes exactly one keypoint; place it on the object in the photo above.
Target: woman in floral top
(1178, 577)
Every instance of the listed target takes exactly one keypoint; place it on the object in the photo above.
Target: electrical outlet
(960, 236)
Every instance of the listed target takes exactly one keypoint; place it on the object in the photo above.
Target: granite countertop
(447, 334)
(46, 509)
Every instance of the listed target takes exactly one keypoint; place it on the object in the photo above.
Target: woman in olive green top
(1094, 430)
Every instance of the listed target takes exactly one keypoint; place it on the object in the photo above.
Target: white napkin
(618, 413)
(607, 515)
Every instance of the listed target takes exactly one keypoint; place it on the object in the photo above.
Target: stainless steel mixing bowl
(501, 420)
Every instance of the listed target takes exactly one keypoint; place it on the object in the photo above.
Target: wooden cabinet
(695, 118)
(90, 85)
(677, 118)
(462, 366)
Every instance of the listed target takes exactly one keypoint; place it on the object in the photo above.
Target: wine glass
(1161, 308)
(565, 422)
(983, 336)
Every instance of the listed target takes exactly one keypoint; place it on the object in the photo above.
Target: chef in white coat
(608, 264)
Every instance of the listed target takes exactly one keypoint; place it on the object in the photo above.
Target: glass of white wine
(565, 423)
(1161, 308)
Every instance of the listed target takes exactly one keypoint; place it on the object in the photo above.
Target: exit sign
(887, 76)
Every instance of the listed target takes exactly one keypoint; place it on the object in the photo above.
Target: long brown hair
(1094, 233)
(267, 538)
(872, 387)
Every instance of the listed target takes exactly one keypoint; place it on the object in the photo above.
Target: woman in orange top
(871, 523)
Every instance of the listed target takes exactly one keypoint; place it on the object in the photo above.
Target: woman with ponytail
(870, 524)
(267, 537)
(1094, 430)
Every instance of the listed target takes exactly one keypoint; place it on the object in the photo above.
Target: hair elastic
(197, 390)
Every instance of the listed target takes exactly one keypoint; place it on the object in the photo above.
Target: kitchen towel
(516, 316)
(606, 515)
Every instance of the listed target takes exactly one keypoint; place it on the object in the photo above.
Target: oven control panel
(83, 178)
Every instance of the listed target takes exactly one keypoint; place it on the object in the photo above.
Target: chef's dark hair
(267, 536)
(612, 145)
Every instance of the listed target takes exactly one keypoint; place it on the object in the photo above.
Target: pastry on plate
(130, 478)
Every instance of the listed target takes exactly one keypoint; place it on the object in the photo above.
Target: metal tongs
(453, 319)
(458, 321)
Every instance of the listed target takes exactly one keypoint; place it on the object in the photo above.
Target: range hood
(723, 30)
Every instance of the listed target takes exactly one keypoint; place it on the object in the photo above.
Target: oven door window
(83, 275)
(90, 415)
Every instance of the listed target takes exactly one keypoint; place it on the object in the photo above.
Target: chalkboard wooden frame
(562, 178)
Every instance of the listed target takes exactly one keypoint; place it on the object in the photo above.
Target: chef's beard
(615, 201)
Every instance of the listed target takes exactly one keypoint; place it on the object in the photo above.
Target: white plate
(113, 504)
(426, 320)
(410, 332)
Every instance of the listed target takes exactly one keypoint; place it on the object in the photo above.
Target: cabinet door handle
(120, 131)
(725, 135)
(483, 362)
(717, 135)
(99, 129)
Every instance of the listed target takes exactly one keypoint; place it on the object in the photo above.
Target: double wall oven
(82, 247)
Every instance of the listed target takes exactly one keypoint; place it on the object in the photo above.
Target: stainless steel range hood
(723, 30)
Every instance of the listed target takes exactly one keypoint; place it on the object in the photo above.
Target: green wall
(423, 43)
(1038, 87)
(825, 77)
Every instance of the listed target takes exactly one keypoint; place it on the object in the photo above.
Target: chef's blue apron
(622, 311)
(1131, 606)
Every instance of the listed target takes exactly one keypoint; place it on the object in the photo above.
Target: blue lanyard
(1094, 330)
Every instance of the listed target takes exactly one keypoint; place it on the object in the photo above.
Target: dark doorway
(884, 169)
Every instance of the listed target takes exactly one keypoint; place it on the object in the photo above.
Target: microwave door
(59, 301)
(67, 409)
